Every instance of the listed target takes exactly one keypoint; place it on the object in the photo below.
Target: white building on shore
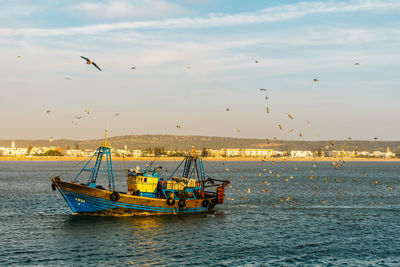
(13, 151)
(301, 154)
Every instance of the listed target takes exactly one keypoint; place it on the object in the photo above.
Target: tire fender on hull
(114, 196)
(170, 201)
(181, 203)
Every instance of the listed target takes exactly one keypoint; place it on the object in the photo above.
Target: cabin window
(145, 179)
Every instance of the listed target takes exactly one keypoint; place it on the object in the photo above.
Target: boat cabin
(147, 183)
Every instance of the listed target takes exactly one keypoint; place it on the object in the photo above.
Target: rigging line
(79, 163)
(125, 166)
(54, 174)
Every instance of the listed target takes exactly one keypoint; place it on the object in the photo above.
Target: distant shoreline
(205, 159)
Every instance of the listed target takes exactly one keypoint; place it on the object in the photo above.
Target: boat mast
(103, 150)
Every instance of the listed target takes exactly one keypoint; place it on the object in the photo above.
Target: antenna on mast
(105, 144)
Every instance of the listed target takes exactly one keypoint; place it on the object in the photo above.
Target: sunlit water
(358, 224)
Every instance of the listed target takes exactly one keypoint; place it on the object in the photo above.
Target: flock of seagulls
(271, 175)
(277, 175)
(267, 182)
(91, 62)
(74, 122)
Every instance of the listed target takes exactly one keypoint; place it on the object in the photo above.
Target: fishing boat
(147, 193)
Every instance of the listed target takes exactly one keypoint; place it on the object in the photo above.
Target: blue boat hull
(85, 200)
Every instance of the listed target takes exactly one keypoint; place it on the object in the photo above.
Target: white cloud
(273, 14)
(136, 9)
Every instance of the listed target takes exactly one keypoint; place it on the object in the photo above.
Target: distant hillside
(213, 142)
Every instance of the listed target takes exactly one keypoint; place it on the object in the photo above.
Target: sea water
(287, 213)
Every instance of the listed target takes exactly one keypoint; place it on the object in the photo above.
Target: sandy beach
(205, 159)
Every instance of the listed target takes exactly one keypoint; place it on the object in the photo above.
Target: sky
(194, 59)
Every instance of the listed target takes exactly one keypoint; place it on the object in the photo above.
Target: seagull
(116, 114)
(267, 110)
(316, 80)
(227, 109)
(290, 116)
(67, 78)
(263, 89)
(266, 97)
(357, 64)
(78, 117)
(73, 122)
(376, 138)
(256, 61)
(48, 111)
(133, 68)
(87, 111)
(349, 138)
(88, 61)
(178, 126)
(280, 126)
(300, 134)
(19, 57)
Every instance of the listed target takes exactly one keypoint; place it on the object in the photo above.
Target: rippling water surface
(296, 214)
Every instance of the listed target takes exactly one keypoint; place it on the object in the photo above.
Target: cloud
(136, 9)
(273, 14)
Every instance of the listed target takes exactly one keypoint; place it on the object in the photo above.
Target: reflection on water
(357, 225)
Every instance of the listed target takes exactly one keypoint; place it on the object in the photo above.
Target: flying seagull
(263, 89)
(116, 114)
(78, 117)
(357, 64)
(48, 112)
(227, 109)
(133, 68)
(316, 80)
(88, 61)
(87, 111)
